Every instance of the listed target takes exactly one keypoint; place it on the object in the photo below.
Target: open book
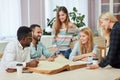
(60, 64)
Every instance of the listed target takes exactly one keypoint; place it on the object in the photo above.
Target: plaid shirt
(113, 57)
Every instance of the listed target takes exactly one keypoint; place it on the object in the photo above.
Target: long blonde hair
(90, 43)
(57, 25)
(106, 33)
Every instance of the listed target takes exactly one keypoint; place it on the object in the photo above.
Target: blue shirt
(76, 50)
(37, 53)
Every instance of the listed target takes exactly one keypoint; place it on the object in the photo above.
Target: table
(107, 73)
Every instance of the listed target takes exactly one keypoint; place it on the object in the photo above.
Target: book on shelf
(60, 64)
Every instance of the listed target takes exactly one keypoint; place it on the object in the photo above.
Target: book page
(60, 59)
(46, 65)
(77, 63)
(72, 64)
(60, 64)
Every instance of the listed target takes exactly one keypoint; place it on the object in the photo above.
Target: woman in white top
(84, 47)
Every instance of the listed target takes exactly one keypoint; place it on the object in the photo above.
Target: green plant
(51, 21)
(46, 33)
(77, 18)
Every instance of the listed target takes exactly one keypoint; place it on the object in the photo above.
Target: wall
(36, 11)
(2, 46)
(32, 12)
(93, 14)
(81, 5)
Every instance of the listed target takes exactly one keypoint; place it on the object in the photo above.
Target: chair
(100, 41)
(102, 52)
(1, 55)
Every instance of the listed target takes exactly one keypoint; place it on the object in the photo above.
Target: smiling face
(86, 39)
(62, 16)
(105, 24)
(83, 38)
(106, 21)
(37, 33)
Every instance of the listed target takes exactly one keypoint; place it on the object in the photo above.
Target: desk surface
(107, 73)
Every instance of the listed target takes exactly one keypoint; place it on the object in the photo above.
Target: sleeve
(73, 29)
(54, 41)
(9, 56)
(75, 51)
(45, 51)
(113, 49)
(75, 32)
(28, 55)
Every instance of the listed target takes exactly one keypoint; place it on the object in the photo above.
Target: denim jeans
(65, 53)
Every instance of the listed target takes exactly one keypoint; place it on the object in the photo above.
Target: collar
(19, 45)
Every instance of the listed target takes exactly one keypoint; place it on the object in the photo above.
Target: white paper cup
(19, 69)
(95, 61)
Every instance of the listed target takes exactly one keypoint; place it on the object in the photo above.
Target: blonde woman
(84, 47)
(110, 25)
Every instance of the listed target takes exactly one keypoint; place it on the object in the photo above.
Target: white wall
(81, 5)
(37, 11)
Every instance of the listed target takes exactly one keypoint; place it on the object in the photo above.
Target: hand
(84, 59)
(117, 78)
(56, 49)
(51, 59)
(41, 59)
(94, 66)
(33, 63)
(91, 54)
(11, 70)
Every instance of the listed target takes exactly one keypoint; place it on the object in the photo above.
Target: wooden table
(107, 73)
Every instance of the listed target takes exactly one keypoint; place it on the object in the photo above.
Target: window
(10, 18)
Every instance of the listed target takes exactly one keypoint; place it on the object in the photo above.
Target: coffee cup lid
(19, 64)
